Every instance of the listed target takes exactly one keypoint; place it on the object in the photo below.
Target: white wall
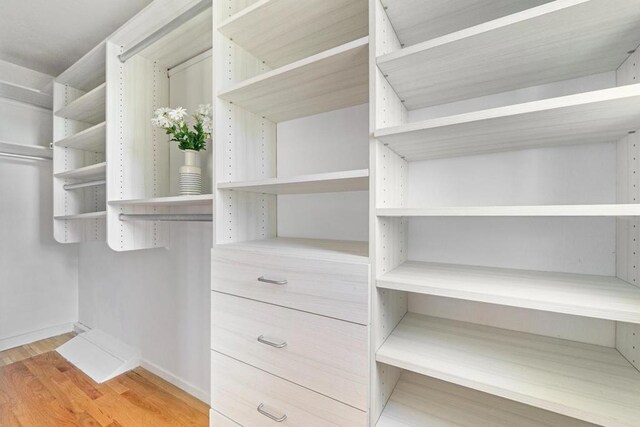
(38, 277)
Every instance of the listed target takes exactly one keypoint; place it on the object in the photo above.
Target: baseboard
(40, 334)
(176, 381)
(80, 328)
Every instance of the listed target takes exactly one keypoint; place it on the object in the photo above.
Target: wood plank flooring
(35, 348)
(46, 390)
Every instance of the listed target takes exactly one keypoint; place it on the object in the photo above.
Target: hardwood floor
(35, 348)
(46, 390)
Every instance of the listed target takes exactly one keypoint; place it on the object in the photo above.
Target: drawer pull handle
(263, 340)
(268, 415)
(274, 281)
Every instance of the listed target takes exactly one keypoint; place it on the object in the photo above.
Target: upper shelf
(91, 139)
(90, 172)
(334, 250)
(415, 21)
(510, 211)
(89, 108)
(88, 72)
(25, 150)
(353, 180)
(600, 297)
(591, 117)
(577, 37)
(585, 381)
(280, 32)
(330, 80)
(417, 400)
(202, 199)
(88, 215)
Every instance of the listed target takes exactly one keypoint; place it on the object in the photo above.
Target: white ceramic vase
(190, 174)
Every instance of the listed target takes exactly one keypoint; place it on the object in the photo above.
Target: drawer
(329, 288)
(239, 391)
(326, 355)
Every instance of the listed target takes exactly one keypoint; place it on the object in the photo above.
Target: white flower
(207, 124)
(177, 115)
(204, 110)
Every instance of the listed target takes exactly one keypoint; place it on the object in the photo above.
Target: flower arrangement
(175, 123)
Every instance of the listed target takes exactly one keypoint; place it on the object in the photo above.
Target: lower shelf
(423, 401)
(89, 215)
(584, 381)
(609, 210)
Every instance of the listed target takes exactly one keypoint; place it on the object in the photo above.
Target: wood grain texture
(322, 354)
(26, 351)
(86, 215)
(283, 31)
(601, 297)
(590, 117)
(88, 72)
(578, 37)
(46, 390)
(509, 211)
(240, 388)
(592, 383)
(86, 173)
(423, 401)
(89, 108)
(91, 139)
(201, 199)
(330, 80)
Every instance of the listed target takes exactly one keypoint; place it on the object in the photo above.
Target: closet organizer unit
(79, 167)
(482, 344)
(160, 58)
(289, 314)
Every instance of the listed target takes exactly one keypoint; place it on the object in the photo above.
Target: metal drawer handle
(274, 281)
(268, 415)
(263, 340)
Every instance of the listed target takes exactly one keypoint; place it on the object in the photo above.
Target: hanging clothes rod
(151, 39)
(84, 184)
(167, 217)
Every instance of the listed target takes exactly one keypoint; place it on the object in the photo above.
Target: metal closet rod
(84, 184)
(23, 156)
(151, 39)
(166, 217)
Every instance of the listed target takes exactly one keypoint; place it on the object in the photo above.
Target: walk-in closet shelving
(161, 58)
(512, 124)
(13, 148)
(288, 75)
(79, 150)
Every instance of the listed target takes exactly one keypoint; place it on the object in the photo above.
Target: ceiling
(50, 35)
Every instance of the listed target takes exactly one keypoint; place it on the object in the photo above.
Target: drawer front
(320, 353)
(329, 288)
(254, 398)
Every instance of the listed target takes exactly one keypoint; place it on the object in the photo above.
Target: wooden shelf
(280, 32)
(202, 199)
(584, 381)
(601, 297)
(89, 108)
(415, 21)
(578, 37)
(91, 139)
(354, 180)
(86, 173)
(334, 79)
(333, 250)
(88, 72)
(423, 401)
(89, 215)
(591, 117)
(510, 211)
(25, 150)
(26, 94)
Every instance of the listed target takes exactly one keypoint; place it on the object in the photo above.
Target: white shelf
(199, 200)
(584, 381)
(88, 72)
(91, 139)
(330, 80)
(415, 21)
(89, 108)
(591, 117)
(86, 173)
(601, 297)
(510, 211)
(89, 215)
(333, 250)
(26, 94)
(353, 180)
(423, 401)
(25, 150)
(280, 32)
(578, 37)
